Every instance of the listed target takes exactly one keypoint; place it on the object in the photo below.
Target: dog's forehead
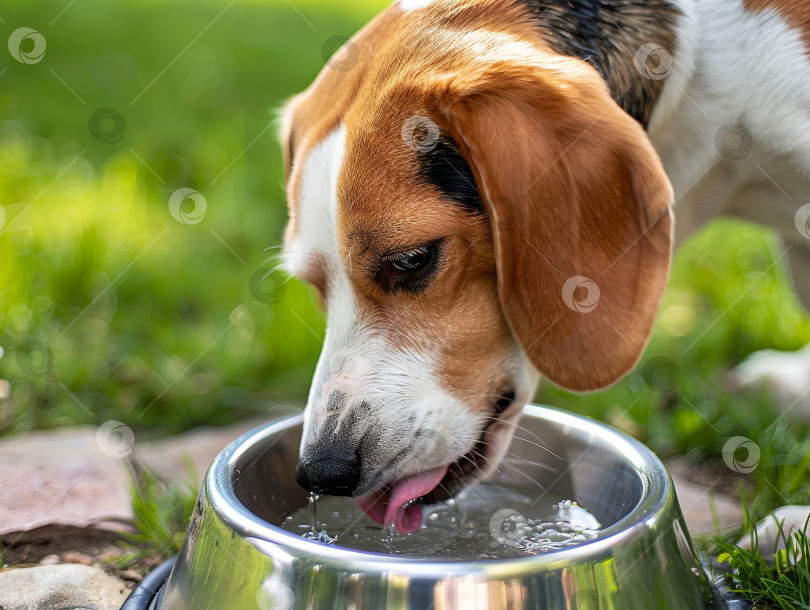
(347, 131)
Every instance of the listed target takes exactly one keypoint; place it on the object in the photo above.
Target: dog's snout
(333, 470)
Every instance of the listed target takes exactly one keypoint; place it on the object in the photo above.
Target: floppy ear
(579, 206)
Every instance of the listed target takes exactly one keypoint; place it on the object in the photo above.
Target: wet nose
(333, 470)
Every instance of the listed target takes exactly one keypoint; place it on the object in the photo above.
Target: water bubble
(322, 537)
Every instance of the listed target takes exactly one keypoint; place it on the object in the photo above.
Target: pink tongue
(401, 493)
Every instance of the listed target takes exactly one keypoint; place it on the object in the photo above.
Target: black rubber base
(145, 596)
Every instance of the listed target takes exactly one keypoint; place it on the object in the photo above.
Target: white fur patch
(746, 76)
(732, 67)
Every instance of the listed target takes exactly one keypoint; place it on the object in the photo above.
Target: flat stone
(696, 502)
(71, 477)
(167, 456)
(60, 586)
(60, 476)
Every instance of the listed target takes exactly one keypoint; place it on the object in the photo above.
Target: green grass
(109, 307)
(770, 578)
(112, 309)
(161, 513)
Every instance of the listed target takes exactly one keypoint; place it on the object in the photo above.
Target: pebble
(77, 557)
(50, 560)
(132, 575)
(56, 587)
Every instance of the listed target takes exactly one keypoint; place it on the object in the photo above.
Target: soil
(53, 544)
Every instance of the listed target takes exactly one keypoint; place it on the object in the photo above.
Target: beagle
(481, 192)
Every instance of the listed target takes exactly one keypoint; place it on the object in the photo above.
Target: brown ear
(579, 205)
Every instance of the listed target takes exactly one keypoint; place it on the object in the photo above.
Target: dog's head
(472, 209)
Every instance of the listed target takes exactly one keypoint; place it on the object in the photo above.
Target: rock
(50, 560)
(201, 445)
(77, 477)
(76, 557)
(785, 519)
(785, 374)
(60, 586)
(696, 503)
(60, 476)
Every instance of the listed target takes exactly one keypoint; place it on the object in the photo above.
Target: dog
(482, 193)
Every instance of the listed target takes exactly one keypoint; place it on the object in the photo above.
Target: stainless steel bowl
(236, 556)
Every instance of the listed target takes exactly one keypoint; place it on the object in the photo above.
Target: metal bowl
(235, 554)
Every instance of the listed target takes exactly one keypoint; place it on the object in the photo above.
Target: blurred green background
(112, 308)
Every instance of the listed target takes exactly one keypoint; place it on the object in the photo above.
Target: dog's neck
(627, 41)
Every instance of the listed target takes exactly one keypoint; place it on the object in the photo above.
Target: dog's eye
(412, 260)
(408, 270)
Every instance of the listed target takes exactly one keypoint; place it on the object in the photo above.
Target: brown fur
(570, 182)
(583, 194)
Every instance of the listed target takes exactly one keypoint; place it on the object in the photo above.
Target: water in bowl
(485, 522)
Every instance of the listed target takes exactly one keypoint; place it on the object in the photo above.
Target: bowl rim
(657, 500)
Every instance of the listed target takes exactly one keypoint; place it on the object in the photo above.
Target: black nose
(333, 470)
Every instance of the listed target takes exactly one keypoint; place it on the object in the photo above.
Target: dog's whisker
(278, 255)
(520, 460)
(525, 475)
(525, 440)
